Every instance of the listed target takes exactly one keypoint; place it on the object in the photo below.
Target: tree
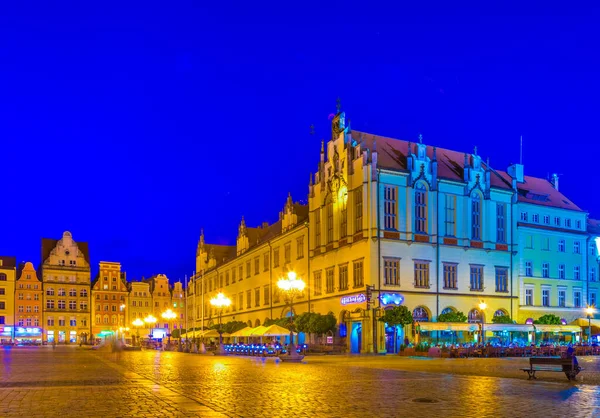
(548, 319)
(398, 315)
(233, 326)
(452, 316)
(177, 332)
(502, 319)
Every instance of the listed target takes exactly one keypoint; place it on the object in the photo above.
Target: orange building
(161, 299)
(28, 306)
(109, 295)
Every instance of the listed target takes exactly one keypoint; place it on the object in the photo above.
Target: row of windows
(22, 308)
(561, 300)
(62, 304)
(28, 286)
(391, 275)
(343, 217)
(112, 308)
(545, 244)
(560, 272)
(114, 297)
(20, 296)
(61, 322)
(343, 278)
(28, 322)
(558, 222)
(62, 292)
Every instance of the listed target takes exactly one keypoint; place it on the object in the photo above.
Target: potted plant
(398, 315)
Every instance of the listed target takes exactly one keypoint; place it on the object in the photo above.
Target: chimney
(516, 172)
(554, 181)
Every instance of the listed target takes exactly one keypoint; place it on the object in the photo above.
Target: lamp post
(482, 307)
(137, 324)
(169, 315)
(291, 286)
(150, 320)
(220, 302)
(590, 313)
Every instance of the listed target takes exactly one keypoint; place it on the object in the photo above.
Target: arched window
(421, 209)
(420, 314)
(500, 312)
(448, 310)
(476, 216)
(475, 317)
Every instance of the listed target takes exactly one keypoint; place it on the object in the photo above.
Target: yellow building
(28, 306)
(247, 273)
(109, 296)
(160, 290)
(7, 299)
(178, 306)
(139, 306)
(65, 273)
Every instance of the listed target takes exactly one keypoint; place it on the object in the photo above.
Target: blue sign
(22, 331)
(347, 300)
(391, 299)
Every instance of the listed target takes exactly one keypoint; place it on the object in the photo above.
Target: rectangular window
(390, 207)
(577, 298)
(343, 277)
(357, 274)
(317, 285)
(420, 209)
(450, 221)
(556, 221)
(536, 218)
(545, 244)
(343, 200)
(300, 248)
(421, 274)
(501, 279)
(49, 304)
(391, 268)
(267, 295)
(276, 257)
(592, 274)
(593, 299)
(330, 278)
(545, 270)
(248, 267)
(275, 295)
(578, 224)
(73, 304)
(248, 299)
(546, 220)
(227, 278)
(288, 253)
(241, 301)
(358, 209)
(50, 322)
(529, 297)
(256, 265)
(266, 262)
(476, 277)
(476, 217)
(528, 269)
(500, 222)
(568, 223)
(576, 247)
(3, 292)
(561, 271)
(317, 228)
(545, 297)
(329, 208)
(524, 216)
(233, 273)
(257, 296)
(529, 241)
(241, 271)
(576, 273)
(562, 298)
(450, 276)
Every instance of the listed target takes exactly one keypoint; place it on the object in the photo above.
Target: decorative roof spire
(475, 150)
(434, 153)
(322, 146)
(409, 148)
(338, 105)
(420, 138)
(312, 129)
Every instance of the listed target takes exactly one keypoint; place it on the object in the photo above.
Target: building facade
(65, 273)
(28, 306)
(161, 300)
(7, 299)
(179, 307)
(109, 295)
(139, 307)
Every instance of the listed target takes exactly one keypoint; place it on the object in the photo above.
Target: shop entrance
(393, 338)
(356, 338)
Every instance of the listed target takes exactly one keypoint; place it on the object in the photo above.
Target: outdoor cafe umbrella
(257, 332)
(276, 331)
(212, 333)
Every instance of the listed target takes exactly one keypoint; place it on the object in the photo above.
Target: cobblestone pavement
(71, 381)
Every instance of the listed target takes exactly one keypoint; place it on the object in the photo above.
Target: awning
(242, 332)
(508, 327)
(557, 328)
(585, 323)
(448, 326)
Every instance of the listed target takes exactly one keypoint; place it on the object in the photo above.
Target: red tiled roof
(391, 154)
(593, 226)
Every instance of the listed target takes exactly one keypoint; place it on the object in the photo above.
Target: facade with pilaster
(109, 296)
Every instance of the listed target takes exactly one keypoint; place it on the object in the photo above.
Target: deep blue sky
(135, 127)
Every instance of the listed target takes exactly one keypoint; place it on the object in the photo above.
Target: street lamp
(150, 320)
(137, 324)
(291, 286)
(169, 315)
(123, 330)
(220, 302)
(590, 314)
(482, 307)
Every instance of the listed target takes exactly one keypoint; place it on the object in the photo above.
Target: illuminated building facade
(160, 290)
(28, 306)
(139, 307)
(65, 273)
(109, 296)
(178, 305)
(7, 298)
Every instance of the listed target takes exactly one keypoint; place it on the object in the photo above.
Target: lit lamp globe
(482, 307)
(169, 315)
(220, 302)
(150, 320)
(291, 286)
(590, 314)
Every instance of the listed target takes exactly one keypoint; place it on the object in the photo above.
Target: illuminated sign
(27, 331)
(391, 299)
(7, 331)
(347, 300)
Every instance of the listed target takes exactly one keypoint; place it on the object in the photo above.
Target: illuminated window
(390, 207)
(358, 274)
(476, 217)
(501, 222)
(329, 222)
(343, 277)
(317, 283)
(391, 270)
(450, 220)
(420, 209)
(330, 280)
(476, 277)
(358, 208)
(450, 276)
(501, 279)
(300, 248)
(422, 274)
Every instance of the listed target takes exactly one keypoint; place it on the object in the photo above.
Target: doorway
(356, 338)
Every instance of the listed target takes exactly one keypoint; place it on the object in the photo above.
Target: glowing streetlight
(169, 315)
(150, 320)
(482, 307)
(292, 286)
(590, 314)
(137, 324)
(220, 302)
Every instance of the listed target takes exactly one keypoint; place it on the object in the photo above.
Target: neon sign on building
(347, 300)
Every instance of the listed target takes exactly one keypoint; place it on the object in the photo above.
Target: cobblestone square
(73, 381)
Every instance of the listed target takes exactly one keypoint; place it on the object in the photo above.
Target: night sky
(134, 127)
